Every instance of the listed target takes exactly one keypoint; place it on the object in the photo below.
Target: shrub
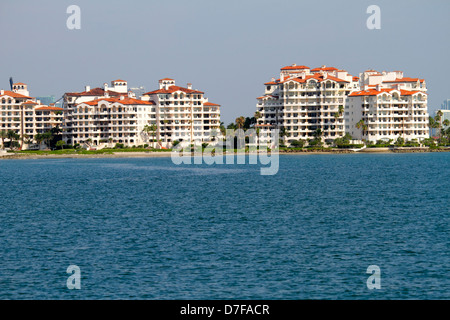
(119, 146)
(298, 143)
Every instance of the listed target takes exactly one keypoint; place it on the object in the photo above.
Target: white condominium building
(183, 114)
(118, 89)
(304, 100)
(389, 106)
(104, 122)
(25, 115)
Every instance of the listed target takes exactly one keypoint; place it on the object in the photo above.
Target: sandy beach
(15, 156)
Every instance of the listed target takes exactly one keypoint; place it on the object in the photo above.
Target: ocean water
(144, 228)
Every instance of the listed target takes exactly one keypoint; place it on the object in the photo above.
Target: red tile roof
(124, 101)
(273, 82)
(210, 104)
(14, 94)
(405, 79)
(267, 96)
(30, 102)
(173, 89)
(19, 83)
(119, 80)
(95, 92)
(374, 92)
(318, 77)
(324, 69)
(165, 79)
(47, 108)
(294, 67)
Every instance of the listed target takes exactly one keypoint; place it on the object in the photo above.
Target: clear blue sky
(226, 48)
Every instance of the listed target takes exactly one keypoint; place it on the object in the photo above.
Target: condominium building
(103, 122)
(25, 115)
(388, 106)
(100, 117)
(303, 100)
(183, 114)
(74, 132)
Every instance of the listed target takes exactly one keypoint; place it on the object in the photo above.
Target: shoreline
(28, 156)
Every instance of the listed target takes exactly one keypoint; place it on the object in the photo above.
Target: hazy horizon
(226, 49)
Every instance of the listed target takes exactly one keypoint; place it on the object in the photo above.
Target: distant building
(388, 106)
(303, 101)
(46, 99)
(25, 115)
(106, 121)
(445, 116)
(183, 114)
(75, 130)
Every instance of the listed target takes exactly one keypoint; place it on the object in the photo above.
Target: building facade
(73, 128)
(101, 117)
(103, 122)
(25, 115)
(387, 107)
(183, 114)
(304, 102)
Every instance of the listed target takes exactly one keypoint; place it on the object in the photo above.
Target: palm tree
(257, 116)
(318, 134)
(39, 138)
(361, 125)
(339, 113)
(283, 133)
(3, 136)
(222, 129)
(446, 122)
(12, 136)
(48, 136)
(150, 130)
(240, 122)
(336, 116)
(438, 119)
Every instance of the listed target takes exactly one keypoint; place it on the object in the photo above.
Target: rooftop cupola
(20, 88)
(166, 83)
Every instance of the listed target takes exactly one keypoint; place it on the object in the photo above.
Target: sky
(228, 49)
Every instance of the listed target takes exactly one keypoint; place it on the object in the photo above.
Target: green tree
(240, 122)
(13, 137)
(438, 120)
(400, 142)
(151, 131)
(61, 144)
(362, 126)
(3, 136)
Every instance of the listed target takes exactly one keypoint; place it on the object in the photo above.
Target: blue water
(145, 228)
